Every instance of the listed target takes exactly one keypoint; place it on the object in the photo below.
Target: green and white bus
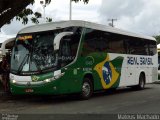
(80, 57)
(158, 50)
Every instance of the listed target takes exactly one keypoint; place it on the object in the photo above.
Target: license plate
(29, 90)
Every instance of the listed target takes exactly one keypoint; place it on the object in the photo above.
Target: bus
(6, 47)
(80, 57)
(5, 50)
(158, 62)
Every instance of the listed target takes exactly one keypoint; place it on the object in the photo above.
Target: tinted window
(137, 46)
(75, 39)
(140, 46)
(69, 47)
(116, 44)
(152, 47)
(100, 41)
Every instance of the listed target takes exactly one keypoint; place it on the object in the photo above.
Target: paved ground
(122, 101)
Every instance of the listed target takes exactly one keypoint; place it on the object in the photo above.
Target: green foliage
(48, 19)
(85, 1)
(34, 20)
(37, 15)
(47, 1)
(157, 37)
(25, 20)
(24, 15)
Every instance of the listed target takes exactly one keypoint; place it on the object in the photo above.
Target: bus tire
(141, 84)
(87, 88)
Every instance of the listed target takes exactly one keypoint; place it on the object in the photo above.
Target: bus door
(66, 57)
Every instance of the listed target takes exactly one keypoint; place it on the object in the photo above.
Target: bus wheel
(87, 88)
(141, 84)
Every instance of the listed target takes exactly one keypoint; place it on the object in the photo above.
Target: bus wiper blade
(23, 62)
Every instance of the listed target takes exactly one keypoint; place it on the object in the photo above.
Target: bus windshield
(34, 53)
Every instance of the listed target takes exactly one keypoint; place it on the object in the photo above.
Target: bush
(157, 37)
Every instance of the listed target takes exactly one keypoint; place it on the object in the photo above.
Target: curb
(156, 82)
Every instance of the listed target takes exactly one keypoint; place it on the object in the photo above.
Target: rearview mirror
(58, 38)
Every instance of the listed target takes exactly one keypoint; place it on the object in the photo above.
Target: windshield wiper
(23, 62)
(26, 59)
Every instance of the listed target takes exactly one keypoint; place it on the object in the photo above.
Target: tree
(157, 37)
(10, 8)
(17, 8)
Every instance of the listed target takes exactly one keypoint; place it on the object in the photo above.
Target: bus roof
(3, 37)
(63, 24)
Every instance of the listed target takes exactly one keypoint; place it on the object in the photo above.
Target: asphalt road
(124, 100)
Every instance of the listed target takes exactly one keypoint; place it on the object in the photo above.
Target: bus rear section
(120, 60)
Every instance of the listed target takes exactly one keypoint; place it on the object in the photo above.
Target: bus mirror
(58, 38)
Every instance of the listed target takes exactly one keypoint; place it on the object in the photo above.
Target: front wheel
(87, 88)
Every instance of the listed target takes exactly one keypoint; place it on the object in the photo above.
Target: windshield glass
(34, 53)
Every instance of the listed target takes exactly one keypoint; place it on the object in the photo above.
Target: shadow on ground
(62, 98)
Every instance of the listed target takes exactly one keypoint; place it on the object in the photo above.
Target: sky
(138, 16)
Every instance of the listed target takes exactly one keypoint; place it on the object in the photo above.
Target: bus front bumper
(50, 88)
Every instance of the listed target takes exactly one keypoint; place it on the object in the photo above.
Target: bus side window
(65, 52)
(95, 41)
(116, 43)
(89, 42)
(152, 48)
(74, 43)
(126, 46)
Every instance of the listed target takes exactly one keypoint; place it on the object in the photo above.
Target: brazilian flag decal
(109, 72)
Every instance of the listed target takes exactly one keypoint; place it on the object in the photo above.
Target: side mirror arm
(58, 39)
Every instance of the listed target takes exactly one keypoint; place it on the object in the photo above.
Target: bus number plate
(29, 90)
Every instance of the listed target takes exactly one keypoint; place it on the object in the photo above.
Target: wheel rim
(86, 89)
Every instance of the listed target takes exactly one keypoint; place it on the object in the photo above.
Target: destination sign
(25, 37)
(139, 61)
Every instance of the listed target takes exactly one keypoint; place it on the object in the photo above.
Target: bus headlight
(47, 80)
(13, 81)
(54, 78)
